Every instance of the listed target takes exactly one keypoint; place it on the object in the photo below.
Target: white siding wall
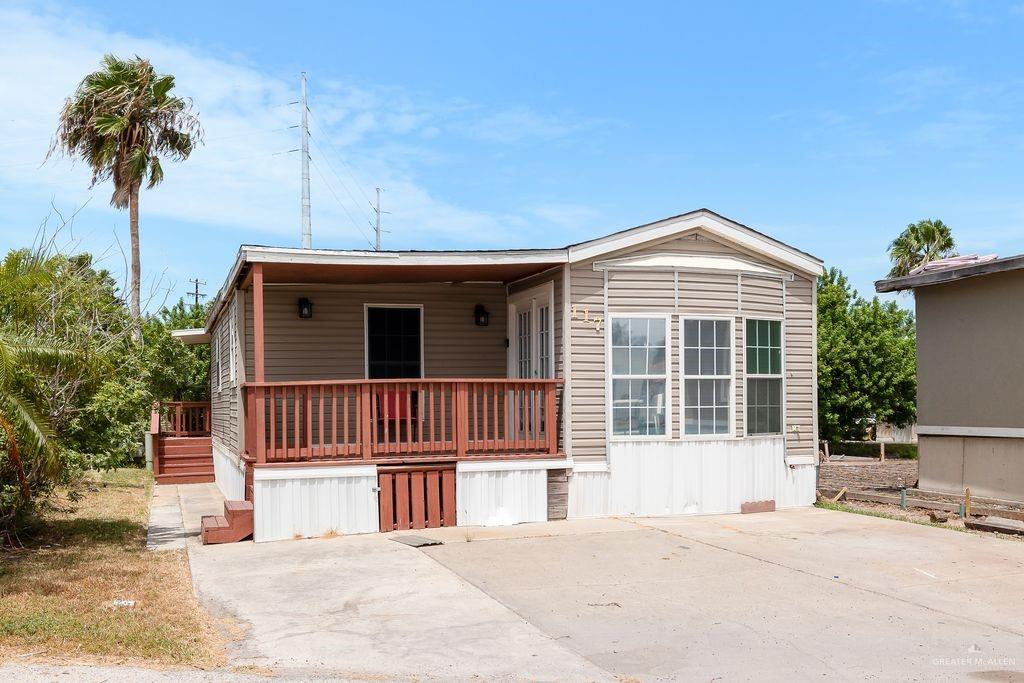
(304, 502)
(691, 477)
(229, 473)
(488, 495)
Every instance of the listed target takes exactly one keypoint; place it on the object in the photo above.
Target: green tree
(121, 120)
(922, 242)
(177, 371)
(29, 458)
(866, 361)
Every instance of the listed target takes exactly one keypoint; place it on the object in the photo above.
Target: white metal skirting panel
(500, 497)
(588, 493)
(307, 505)
(704, 477)
(228, 472)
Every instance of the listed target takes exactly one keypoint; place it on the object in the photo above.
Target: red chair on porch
(394, 409)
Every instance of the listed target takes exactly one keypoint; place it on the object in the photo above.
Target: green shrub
(870, 449)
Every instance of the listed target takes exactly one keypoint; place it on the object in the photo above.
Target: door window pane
(393, 343)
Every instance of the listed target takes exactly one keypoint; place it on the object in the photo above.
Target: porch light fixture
(480, 316)
(305, 308)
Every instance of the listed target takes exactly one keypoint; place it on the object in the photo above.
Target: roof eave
(936, 277)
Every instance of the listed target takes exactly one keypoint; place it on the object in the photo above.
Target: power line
(341, 182)
(340, 203)
(196, 294)
(340, 157)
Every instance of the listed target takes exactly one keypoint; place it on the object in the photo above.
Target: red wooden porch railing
(400, 420)
(185, 418)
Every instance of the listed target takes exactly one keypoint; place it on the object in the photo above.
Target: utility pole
(377, 229)
(307, 230)
(196, 294)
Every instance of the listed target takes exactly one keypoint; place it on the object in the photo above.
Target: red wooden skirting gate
(421, 497)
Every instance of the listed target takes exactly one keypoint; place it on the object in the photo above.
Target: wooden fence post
(461, 419)
(366, 427)
(550, 419)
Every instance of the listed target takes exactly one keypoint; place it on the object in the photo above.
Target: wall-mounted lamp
(305, 308)
(480, 316)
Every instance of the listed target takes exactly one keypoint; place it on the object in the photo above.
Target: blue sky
(827, 125)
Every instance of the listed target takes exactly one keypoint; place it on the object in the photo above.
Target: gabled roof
(509, 264)
(935, 277)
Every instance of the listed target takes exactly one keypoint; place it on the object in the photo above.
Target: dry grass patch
(57, 595)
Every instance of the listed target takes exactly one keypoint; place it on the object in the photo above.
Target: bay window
(639, 376)
(707, 377)
(764, 376)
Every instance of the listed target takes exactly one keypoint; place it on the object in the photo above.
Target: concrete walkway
(176, 512)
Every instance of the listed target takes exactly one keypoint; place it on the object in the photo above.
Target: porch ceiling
(395, 272)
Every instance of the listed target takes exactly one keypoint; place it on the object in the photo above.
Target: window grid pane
(764, 405)
(707, 356)
(764, 347)
(638, 371)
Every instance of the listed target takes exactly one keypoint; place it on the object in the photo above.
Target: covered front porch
(360, 392)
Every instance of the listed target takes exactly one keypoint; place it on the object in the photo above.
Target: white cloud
(244, 176)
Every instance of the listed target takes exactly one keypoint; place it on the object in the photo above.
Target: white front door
(531, 330)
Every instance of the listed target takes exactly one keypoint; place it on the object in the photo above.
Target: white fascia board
(453, 258)
(947, 430)
(730, 232)
(696, 263)
(192, 335)
(506, 465)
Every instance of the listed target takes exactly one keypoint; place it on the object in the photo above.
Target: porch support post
(259, 361)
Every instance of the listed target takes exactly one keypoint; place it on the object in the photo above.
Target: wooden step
(235, 525)
(185, 463)
(186, 478)
(186, 440)
(186, 451)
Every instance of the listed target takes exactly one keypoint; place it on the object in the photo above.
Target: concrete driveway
(801, 592)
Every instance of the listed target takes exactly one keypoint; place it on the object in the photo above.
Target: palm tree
(121, 120)
(24, 427)
(922, 242)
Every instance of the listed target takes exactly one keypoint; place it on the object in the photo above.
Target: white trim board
(276, 473)
(510, 465)
(944, 430)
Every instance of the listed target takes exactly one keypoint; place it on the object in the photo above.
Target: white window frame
(233, 344)
(366, 336)
(534, 298)
(608, 377)
(215, 362)
(781, 376)
(731, 434)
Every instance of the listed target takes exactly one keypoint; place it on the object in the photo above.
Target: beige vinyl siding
(587, 358)
(712, 294)
(761, 296)
(800, 367)
(330, 345)
(224, 396)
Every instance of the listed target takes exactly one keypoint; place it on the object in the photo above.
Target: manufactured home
(970, 380)
(666, 369)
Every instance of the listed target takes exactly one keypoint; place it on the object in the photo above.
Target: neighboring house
(970, 376)
(664, 369)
